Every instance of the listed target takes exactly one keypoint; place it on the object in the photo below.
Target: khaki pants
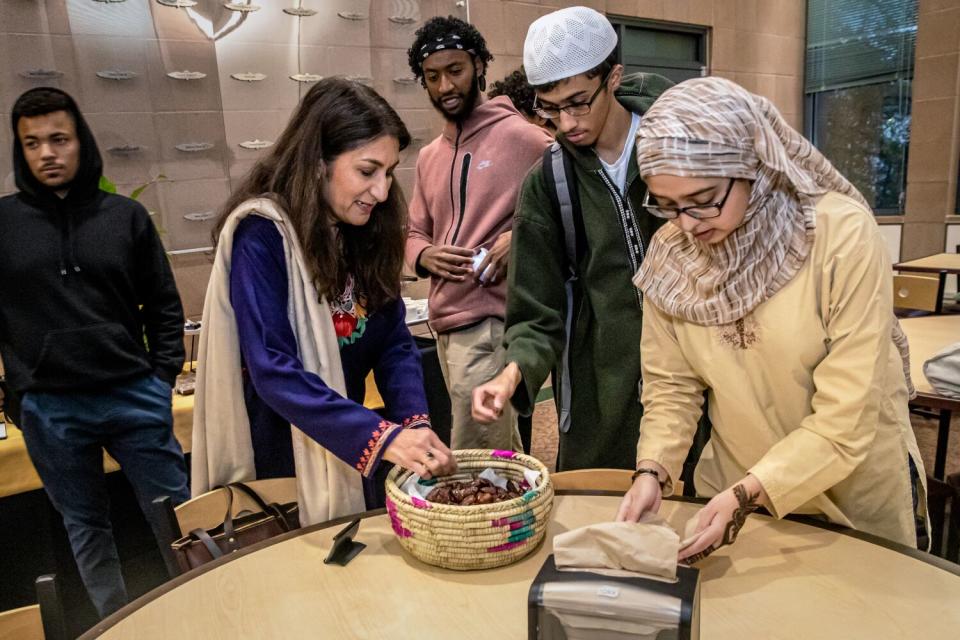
(468, 358)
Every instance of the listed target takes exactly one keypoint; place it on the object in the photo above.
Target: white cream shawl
(222, 450)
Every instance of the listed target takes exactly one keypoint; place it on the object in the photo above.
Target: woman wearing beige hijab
(772, 292)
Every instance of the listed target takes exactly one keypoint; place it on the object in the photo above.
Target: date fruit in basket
(475, 491)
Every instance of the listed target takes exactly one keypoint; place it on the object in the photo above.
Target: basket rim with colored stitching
(478, 536)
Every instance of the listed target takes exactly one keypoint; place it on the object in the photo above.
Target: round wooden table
(782, 579)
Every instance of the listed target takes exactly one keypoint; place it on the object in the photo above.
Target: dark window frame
(810, 117)
(700, 66)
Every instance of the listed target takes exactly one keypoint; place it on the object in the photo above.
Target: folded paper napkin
(647, 548)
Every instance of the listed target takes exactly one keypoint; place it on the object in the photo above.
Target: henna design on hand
(700, 555)
(748, 504)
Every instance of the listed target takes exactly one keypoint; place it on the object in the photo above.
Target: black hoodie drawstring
(64, 233)
(453, 168)
(72, 244)
(67, 243)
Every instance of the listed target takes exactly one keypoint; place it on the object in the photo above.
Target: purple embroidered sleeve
(258, 293)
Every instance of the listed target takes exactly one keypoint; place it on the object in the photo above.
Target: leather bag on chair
(235, 532)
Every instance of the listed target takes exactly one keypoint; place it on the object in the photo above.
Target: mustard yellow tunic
(807, 392)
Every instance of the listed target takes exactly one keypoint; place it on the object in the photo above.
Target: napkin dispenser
(579, 605)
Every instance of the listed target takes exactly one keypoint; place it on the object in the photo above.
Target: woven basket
(479, 536)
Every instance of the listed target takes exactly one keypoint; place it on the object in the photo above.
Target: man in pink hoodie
(461, 216)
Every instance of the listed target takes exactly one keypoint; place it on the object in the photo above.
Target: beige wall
(934, 132)
(758, 43)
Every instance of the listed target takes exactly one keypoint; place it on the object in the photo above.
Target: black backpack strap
(561, 186)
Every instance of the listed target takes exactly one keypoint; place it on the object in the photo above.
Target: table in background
(927, 335)
(781, 579)
(941, 264)
(17, 474)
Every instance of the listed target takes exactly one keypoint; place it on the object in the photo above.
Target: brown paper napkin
(647, 548)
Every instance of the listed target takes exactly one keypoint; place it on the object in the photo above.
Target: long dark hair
(335, 116)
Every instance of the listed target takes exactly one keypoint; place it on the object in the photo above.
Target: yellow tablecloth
(17, 474)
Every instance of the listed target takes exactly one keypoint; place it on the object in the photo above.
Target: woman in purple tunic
(332, 173)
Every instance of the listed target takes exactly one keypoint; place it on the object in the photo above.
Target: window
(859, 74)
(677, 52)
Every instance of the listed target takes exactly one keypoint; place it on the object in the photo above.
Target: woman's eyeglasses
(575, 109)
(696, 211)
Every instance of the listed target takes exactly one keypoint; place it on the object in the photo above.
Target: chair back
(51, 607)
(207, 511)
(21, 624)
(593, 479)
(916, 293)
(943, 508)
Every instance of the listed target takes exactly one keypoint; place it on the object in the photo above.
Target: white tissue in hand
(477, 260)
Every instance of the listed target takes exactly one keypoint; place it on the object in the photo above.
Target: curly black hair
(515, 87)
(440, 27)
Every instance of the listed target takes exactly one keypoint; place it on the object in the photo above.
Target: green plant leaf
(135, 194)
(139, 190)
(107, 185)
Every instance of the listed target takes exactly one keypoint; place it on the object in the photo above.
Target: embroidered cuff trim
(417, 421)
(371, 453)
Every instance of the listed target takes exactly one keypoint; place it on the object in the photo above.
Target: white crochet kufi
(566, 42)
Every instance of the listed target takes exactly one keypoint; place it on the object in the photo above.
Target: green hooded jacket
(605, 347)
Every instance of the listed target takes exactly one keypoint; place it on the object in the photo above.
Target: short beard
(469, 103)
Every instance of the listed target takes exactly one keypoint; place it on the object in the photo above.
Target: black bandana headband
(446, 42)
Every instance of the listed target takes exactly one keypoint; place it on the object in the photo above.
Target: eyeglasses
(575, 109)
(695, 211)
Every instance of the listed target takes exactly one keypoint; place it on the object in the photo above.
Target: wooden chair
(593, 479)
(207, 511)
(42, 621)
(943, 507)
(915, 293)
(599, 480)
(21, 624)
(51, 607)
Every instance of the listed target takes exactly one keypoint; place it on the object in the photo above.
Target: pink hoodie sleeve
(420, 233)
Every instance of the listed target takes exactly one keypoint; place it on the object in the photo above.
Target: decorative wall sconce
(187, 75)
(116, 74)
(109, 1)
(194, 147)
(360, 79)
(256, 144)
(199, 216)
(41, 74)
(126, 149)
(352, 15)
(402, 19)
(243, 8)
(178, 4)
(306, 77)
(248, 77)
(300, 12)
(405, 80)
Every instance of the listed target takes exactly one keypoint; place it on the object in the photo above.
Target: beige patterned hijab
(711, 127)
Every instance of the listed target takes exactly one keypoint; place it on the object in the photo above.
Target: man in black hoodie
(90, 333)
